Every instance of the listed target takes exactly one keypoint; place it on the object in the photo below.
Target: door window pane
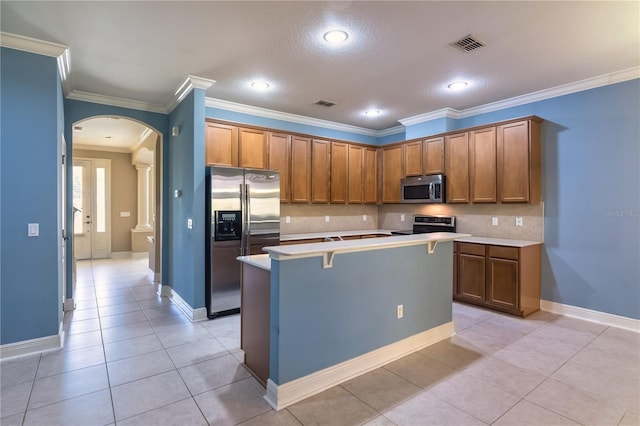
(77, 199)
(101, 200)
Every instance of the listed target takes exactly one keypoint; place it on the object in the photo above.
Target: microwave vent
(468, 43)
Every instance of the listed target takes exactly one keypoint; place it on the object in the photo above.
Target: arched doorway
(116, 188)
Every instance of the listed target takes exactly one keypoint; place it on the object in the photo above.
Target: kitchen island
(339, 309)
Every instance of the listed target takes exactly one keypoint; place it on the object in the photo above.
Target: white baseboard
(198, 314)
(31, 346)
(69, 305)
(164, 291)
(157, 276)
(281, 396)
(590, 315)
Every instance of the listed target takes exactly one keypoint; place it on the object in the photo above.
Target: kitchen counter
(328, 249)
(333, 234)
(261, 261)
(498, 241)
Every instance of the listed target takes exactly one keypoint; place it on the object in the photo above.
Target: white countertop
(321, 249)
(498, 241)
(261, 261)
(333, 234)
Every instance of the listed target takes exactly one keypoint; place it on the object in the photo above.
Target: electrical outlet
(494, 221)
(364, 217)
(400, 311)
(401, 218)
(33, 230)
(519, 221)
(189, 223)
(326, 218)
(287, 219)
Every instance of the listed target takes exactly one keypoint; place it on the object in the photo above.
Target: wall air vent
(325, 103)
(468, 43)
(77, 128)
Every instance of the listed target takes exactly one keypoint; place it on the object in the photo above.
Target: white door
(92, 196)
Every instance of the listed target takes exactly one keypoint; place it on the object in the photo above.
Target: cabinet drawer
(503, 252)
(470, 248)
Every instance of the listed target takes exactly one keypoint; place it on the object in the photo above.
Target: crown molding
(285, 116)
(553, 92)
(390, 131)
(191, 82)
(434, 115)
(32, 45)
(117, 102)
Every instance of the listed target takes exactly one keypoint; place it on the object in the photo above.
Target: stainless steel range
(423, 224)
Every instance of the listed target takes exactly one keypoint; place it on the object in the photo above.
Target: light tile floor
(132, 358)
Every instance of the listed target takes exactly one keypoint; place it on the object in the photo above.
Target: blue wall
(432, 127)
(591, 190)
(30, 288)
(186, 173)
(321, 317)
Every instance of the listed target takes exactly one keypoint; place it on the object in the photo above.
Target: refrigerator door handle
(247, 226)
(244, 213)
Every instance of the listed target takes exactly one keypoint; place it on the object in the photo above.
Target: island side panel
(321, 317)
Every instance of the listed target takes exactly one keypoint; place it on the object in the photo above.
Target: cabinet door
(252, 148)
(482, 165)
(221, 146)
(320, 169)
(413, 158)
(339, 162)
(433, 156)
(513, 162)
(279, 159)
(354, 180)
(391, 174)
(370, 176)
(502, 284)
(471, 277)
(457, 167)
(300, 169)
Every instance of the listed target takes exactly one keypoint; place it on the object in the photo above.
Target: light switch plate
(287, 219)
(401, 218)
(364, 217)
(190, 223)
(494, 221)
(125, 214)
(326, 218)
(33, 229)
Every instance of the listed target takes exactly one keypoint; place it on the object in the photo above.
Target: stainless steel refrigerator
(243, 207)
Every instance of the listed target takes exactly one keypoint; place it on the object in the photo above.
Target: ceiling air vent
(325, 103)
(468, 43)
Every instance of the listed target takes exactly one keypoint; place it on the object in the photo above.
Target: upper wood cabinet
(457, 167)
(339, 165)
(320, 170)
(413, 158)
(518, 148)
(355, 182)
(252, 148)
(370, 176)
(391, 174)
(221, 145)
(279, 159)
(482, 165)
(300, 169)
(433, 156)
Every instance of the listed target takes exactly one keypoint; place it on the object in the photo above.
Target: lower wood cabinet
(498, 277)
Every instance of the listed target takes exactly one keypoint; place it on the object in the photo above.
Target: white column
(143, 196)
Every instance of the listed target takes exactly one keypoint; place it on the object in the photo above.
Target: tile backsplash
(312, 217)
(475, 219)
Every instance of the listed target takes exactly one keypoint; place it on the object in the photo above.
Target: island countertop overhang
(329, 249)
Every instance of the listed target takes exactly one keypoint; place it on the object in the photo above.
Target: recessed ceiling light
(372, 112)
(260, 85)
(457, 85)
(335, 36)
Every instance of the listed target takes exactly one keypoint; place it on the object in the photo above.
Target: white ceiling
(398, 56)
(109, 133)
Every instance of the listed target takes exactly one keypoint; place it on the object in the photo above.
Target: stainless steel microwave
(429, 189)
